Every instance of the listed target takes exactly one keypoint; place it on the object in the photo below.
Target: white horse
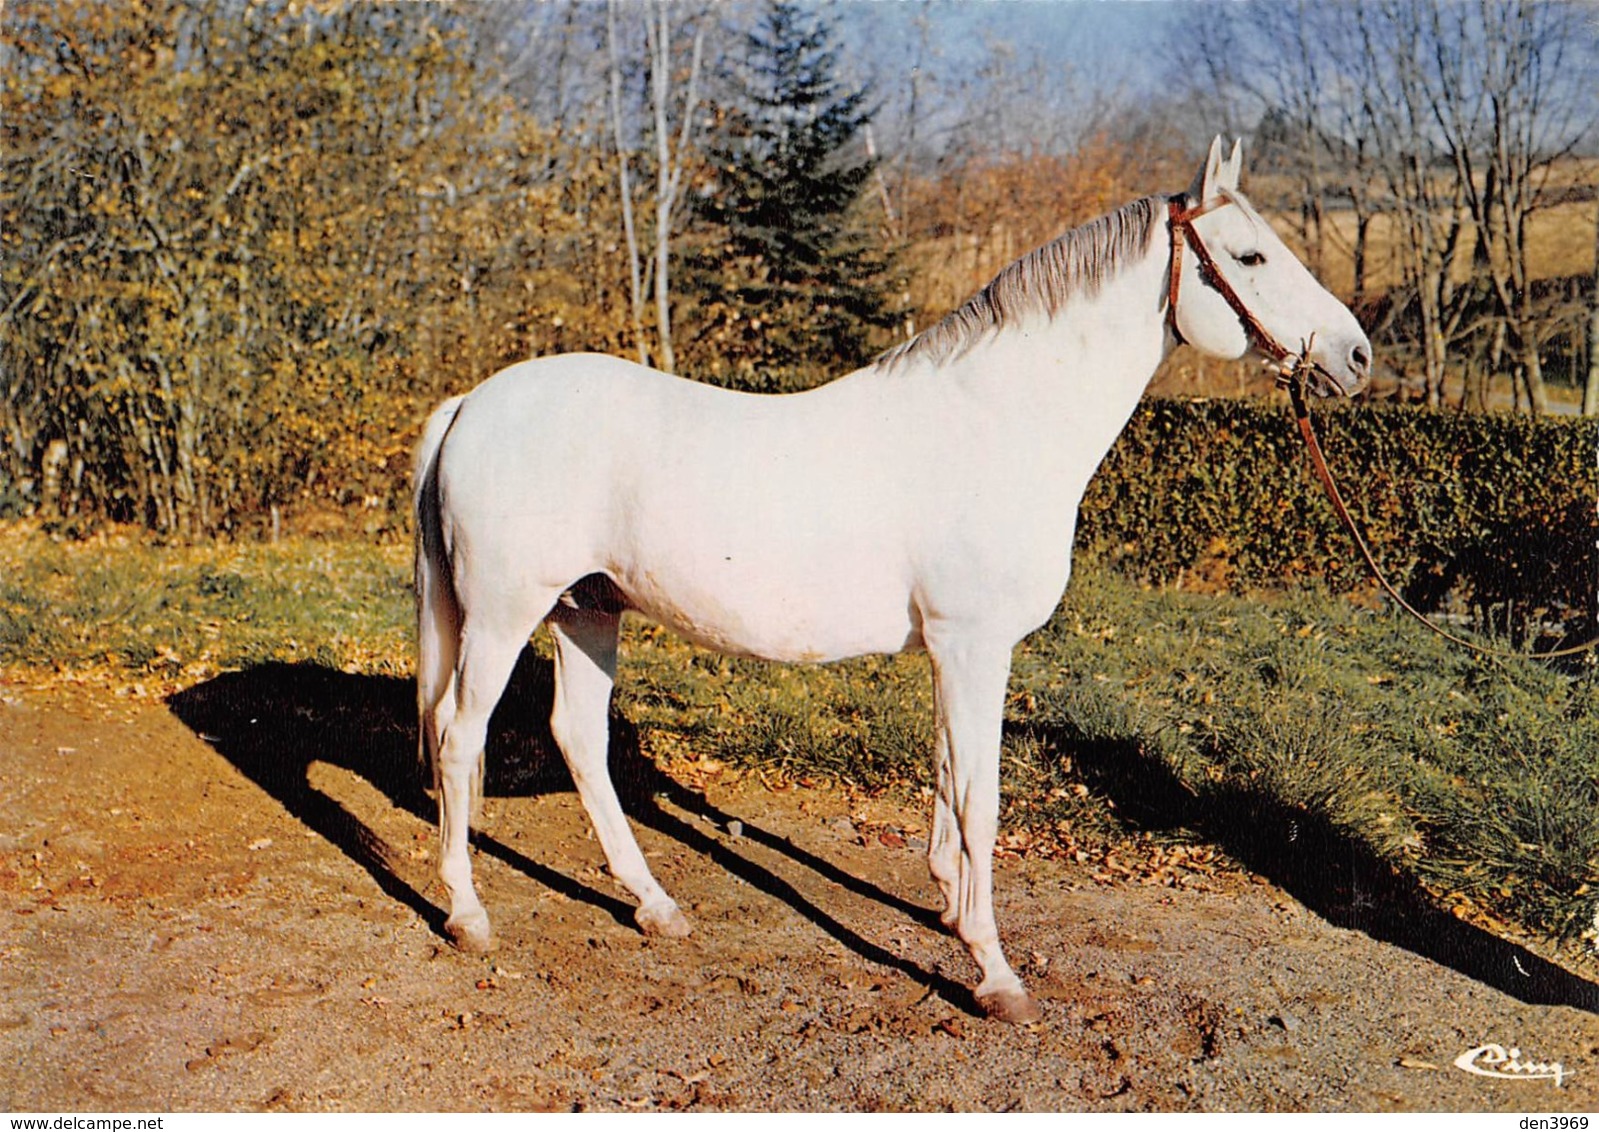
(925, 501)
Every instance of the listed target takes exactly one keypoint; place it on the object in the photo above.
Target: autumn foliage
(971, 218)
(243, 255)
(245, 245)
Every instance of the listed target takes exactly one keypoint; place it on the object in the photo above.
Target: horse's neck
(1073, 381)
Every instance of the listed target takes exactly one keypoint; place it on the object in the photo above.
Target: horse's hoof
(664, 920)
(471, 933)
(1014, 1006)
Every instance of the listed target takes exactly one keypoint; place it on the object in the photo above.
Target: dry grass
(1560, 244)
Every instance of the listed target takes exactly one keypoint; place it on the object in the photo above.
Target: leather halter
(1181, 221)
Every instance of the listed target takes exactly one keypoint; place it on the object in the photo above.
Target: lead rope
(1293, 378)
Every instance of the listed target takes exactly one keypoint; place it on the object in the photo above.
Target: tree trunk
(1434, 344)
(1590, 391)
(1496, 359)
(1532, 374)
(635, 269)
(1362, 231)
(669, 168)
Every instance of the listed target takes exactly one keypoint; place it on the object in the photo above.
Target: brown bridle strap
(1294, 379)
(1181, 221)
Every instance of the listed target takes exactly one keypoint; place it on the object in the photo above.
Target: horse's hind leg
(585, 669)
(487, 655)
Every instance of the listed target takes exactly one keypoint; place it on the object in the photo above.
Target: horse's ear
(1208, 179)
(1234, 166)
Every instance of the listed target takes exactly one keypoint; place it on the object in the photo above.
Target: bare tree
(1449, 117)
(669, 163)
(1500, 116)
(635, 267)
(1429, 203)
(1590, 389)
(672, 147)
(1297, 73)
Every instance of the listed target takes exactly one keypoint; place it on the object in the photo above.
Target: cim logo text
(1496, 1061)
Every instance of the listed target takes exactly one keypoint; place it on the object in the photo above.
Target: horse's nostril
(1360, 359)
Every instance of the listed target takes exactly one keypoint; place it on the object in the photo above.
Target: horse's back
(570, 382)
(756, 524)
(575, 414)
(808, 526)
(569, 406)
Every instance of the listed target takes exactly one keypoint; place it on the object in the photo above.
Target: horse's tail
(438, 614)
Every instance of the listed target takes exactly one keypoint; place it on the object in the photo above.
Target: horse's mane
(1041, 281)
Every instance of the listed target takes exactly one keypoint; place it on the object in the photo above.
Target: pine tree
(789, 280)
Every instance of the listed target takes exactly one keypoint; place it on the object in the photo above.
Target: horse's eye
(1251, 259)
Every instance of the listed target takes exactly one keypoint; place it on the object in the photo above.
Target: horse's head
(1239, 288)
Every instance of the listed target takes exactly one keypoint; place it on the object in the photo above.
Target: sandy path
(200, 913)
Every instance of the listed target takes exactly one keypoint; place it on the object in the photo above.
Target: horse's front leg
(969, 691)
(944, 846)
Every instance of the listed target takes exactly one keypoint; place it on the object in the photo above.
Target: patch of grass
(1480, 778)
(121, 608)
(865, 722)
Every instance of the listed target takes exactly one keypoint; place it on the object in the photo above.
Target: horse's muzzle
(1336, 370)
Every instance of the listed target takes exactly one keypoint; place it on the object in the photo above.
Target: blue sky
(1127, 37)
(1071, 60)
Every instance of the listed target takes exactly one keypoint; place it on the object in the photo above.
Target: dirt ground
(227, 902)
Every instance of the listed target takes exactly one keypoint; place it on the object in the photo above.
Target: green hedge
(1494, 512)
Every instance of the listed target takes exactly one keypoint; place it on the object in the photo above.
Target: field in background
(1560, 242)
(1270, 726)
(949, 269)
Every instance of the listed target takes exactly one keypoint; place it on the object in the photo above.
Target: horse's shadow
(274, 720)
(1334, 875)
